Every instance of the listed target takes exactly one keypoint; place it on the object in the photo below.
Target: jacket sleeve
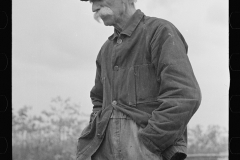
(96, 94)
(179, 94)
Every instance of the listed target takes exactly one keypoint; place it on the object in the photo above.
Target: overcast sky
(55, 44)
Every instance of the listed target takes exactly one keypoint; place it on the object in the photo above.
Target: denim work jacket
(144, 72)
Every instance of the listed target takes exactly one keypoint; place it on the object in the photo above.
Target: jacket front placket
(117, 42)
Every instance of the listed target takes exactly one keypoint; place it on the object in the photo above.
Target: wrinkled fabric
(121, 141)
(144, 72)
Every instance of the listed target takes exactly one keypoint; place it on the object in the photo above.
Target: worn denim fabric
(121, 141)
(145, 73)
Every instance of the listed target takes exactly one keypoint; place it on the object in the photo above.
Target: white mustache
(102, 12)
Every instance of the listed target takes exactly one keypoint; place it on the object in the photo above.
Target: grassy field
(53, 135)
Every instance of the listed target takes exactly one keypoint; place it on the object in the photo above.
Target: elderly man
(145, 90)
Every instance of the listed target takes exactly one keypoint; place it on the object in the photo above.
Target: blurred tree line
(213, 140)
(53, 135)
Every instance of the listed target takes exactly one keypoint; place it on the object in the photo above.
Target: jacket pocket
(147, 86)
(131, 87)
(86, 131)
(89, 130)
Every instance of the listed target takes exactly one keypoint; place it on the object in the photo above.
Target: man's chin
(107, 22)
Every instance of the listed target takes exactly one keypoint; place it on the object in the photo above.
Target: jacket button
(116, 68)
(119, 41)
(114, 102)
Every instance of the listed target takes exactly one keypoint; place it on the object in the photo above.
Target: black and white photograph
(120, 80)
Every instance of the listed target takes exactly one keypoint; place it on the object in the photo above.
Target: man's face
(110, 11)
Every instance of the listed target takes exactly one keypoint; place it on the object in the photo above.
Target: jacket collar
(130, 26)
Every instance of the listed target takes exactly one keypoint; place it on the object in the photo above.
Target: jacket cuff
(175, 153)
(143, 134)
(96, 108)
